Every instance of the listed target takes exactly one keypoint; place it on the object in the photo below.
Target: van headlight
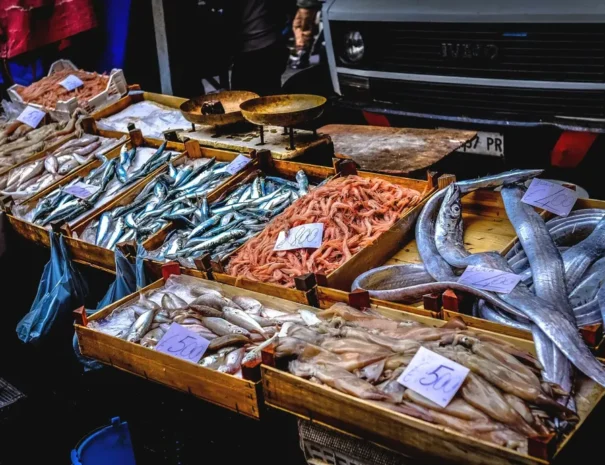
(353, 47)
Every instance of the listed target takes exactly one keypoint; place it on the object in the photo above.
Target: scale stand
(287, 131)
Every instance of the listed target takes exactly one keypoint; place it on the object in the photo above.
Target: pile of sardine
(171, 196)
(546, 307)
(111, 177)
(503, 399)
(229, 222)
(31, 178)
(238, 328)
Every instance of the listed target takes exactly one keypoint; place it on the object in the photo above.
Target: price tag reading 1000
(433, 376)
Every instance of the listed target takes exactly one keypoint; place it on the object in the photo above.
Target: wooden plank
(293, 295)
(401, 151)
(219, 388)
(377, 424)
(480, 323)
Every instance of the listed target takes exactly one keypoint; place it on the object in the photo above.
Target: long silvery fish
(559, 327)
(103, 228)
(436, 266)
(242, 319)
(223, 327)
(549, 282)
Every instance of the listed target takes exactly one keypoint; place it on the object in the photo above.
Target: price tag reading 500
(182, 343)
(433, 376)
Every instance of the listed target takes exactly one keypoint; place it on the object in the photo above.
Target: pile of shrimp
(47, 91)
(355, 211)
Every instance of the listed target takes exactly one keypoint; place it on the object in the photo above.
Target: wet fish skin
(242, 319)
(228, 340)
(223, 327)
(141, 326)
(103, 228)
(51, 164)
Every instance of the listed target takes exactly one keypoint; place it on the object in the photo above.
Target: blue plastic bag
(62, 289)
(129, 278)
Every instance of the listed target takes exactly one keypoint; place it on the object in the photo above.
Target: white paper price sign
(180, 342)
(71, 82)
(550, 196)
(31, 116)
(433, 376)
(237, 165)
(82, 190)
(489, 279)
(301, 237)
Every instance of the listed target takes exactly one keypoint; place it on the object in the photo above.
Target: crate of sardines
(341, 226)
(433, 390)
(76, 196)
(192, 335)
(179, 190)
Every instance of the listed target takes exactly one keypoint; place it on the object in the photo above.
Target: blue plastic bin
(110, 444)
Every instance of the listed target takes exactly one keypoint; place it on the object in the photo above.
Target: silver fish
(223, 327)
(103, 228)
(242, 319)
(116, 234)
(51, 164)
(68, 166)
(303, 183)
(141, 326)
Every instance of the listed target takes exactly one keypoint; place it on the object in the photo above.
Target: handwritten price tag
(301, 237)
(433, 376)
(31, 116)
(237, 165)
(550, 196)
(82, 190)
(182, 343)
(71, 82)
(489, 279)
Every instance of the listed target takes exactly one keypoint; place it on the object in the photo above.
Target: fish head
(451, 211)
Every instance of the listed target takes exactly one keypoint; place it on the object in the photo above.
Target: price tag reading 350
(237, 165)
(489, 279)
(301, 237)
(180, 342)
(82, 190)
(433, 376)
(550, 196)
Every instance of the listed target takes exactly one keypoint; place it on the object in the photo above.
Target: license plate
(485, 143)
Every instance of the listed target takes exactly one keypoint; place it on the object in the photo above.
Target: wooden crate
(39, 234)
(592, 335)
(365, 259)
(240, 395)
(136, 97)
(415, 438)
(85, 252)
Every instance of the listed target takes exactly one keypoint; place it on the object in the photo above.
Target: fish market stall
(76, 196)
(348, 248)
(125, 335)
(20, 141)
(342, 373)
(152, 113)
(179, 190)
(43, 170)
(67, 88)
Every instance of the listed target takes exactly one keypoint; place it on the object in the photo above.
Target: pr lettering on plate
(182, 343)
(433, 376)
(550, 196)
(301, 237)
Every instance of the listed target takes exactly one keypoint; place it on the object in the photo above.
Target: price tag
(237, 165)
(31, 116)
(550, 196)
(301, 237)
(309, 317)
(71, 82)
(180, 342)
(489, 279)
(433, 376)
(82, 190)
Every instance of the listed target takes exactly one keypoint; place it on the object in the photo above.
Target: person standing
(303, 28)
(260, 53)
